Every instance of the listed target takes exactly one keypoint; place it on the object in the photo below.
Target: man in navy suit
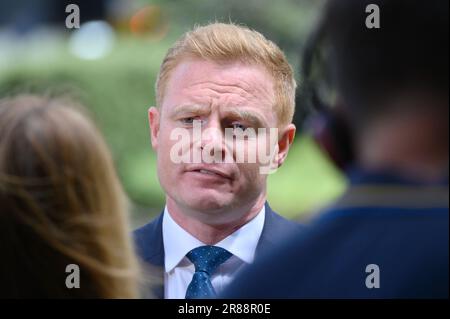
(388, 236)
(225, 102)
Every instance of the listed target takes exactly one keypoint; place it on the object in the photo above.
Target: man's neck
(212, 233)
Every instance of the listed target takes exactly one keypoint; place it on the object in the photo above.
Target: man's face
(218, 96)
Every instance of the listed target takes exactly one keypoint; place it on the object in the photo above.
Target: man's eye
(188, 120)
(238, 126)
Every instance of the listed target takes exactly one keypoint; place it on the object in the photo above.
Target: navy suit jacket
(400, 226)
(150, 247)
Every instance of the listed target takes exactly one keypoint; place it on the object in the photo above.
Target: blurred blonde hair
(220, 42)
(60, 203)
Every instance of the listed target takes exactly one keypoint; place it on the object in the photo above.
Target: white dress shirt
(179, 270)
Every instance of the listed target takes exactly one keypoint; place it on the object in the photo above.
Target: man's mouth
(211, 171)
(204, 171)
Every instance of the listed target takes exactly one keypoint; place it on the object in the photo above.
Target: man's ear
(284, 142)
(153, 119)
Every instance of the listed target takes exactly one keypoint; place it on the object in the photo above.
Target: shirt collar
(178, 242)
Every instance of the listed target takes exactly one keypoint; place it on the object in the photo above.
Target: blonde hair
(61, 203)
(220, 42)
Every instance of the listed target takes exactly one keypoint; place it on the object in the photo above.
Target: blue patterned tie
(206, 260)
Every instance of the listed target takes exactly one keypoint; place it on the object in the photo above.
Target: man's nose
(213, 142)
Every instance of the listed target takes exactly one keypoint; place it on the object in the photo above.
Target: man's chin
(208, 202)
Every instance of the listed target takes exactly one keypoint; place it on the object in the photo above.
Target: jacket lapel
(274, 231)
(150, 247)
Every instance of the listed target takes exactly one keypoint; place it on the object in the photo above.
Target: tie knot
(208, 258)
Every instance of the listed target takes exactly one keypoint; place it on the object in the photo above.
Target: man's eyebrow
(251, 117)
(190, 109)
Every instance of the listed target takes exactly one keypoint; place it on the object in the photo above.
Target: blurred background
(110, 64)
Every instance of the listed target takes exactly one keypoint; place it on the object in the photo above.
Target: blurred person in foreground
(387, 237)
(216, 79)
(61, 204)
